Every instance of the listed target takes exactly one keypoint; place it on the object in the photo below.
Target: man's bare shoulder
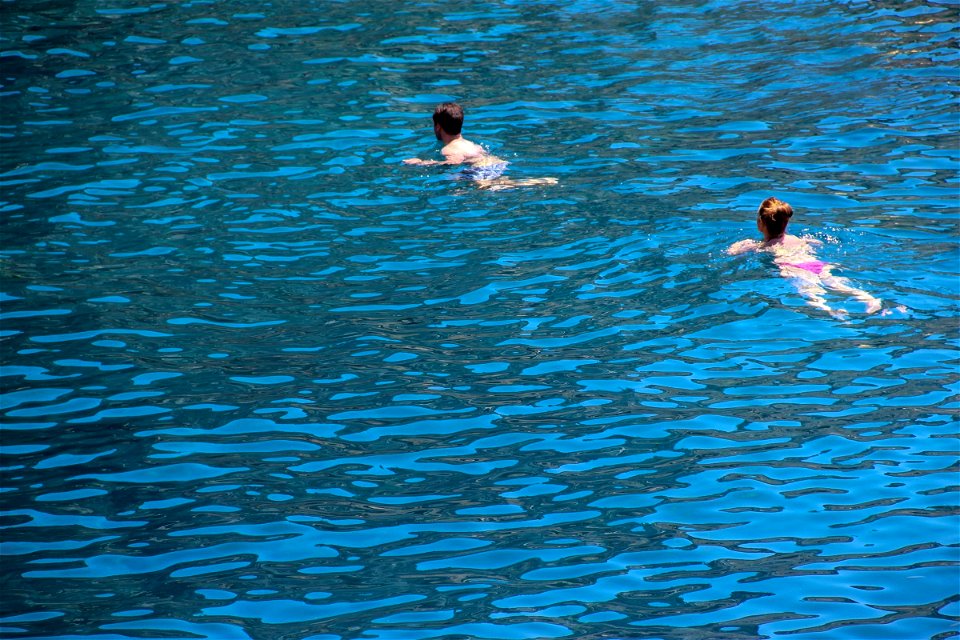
(462, 150)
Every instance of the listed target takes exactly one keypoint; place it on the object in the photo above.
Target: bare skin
(458, 150)
(789, 253)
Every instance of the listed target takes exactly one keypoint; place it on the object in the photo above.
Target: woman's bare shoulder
(743, 246)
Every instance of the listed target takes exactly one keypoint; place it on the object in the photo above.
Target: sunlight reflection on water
(262, 380)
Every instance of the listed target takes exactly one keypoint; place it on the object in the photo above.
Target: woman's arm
(742, 247)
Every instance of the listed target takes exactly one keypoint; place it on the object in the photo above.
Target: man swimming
(796, 260)
(483, 168)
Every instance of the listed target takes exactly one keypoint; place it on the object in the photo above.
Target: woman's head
(772, 217)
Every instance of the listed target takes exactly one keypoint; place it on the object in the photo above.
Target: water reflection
(261, 379)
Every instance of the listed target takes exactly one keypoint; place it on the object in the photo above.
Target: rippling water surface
(262, 380)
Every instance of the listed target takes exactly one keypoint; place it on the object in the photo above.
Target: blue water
(264, 381)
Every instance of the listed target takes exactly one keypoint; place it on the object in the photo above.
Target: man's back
(462, 150)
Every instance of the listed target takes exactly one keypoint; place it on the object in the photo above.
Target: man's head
(448, 117)
(773, 216)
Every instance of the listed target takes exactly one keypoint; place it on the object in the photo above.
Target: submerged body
(814, 266)
(483, 168)
(796, 259)
(491, 169)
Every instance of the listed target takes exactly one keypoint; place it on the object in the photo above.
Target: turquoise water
(262, 380)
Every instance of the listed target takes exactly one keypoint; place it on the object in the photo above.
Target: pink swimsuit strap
(814, 266)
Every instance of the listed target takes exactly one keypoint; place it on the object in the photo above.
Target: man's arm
(428, 163)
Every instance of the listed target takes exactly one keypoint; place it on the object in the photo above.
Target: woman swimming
(796, 260)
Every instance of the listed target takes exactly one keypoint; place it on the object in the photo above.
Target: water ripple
(261, 379)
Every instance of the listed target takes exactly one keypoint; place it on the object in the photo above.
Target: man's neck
(446, 138)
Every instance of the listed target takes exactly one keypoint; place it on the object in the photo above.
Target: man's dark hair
(449, 116)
